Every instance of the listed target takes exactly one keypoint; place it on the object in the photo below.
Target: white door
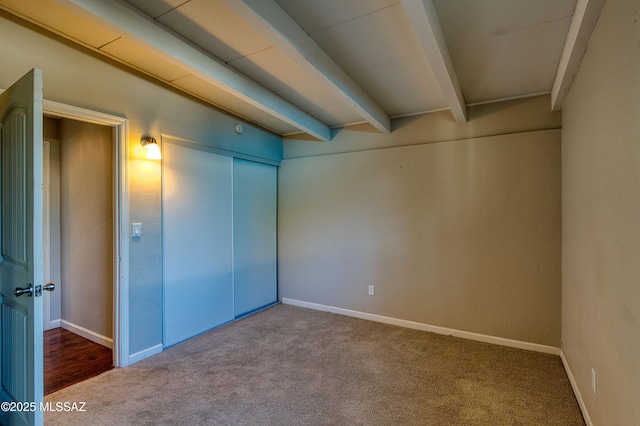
(255, 250)
(197, 240)
(21, 277)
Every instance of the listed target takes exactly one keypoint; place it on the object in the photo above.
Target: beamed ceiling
(306, 66)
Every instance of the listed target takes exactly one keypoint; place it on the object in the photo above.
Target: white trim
(583, 22)
(576, 391)
(510, 98)
(46, 230)
(60, 110)
(426, 327)
(121, 221)
(53, 324)
(87, 334)
(140, 29)
(145, 353)
(426, 26)
(413, 114)
(121, 217)
(274, 24)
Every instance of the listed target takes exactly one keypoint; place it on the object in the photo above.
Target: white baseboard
(576, 391)
(426, 327)
(52, 324)
(145, 353)
(87, 334)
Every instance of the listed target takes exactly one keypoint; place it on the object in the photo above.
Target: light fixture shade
(153, 150)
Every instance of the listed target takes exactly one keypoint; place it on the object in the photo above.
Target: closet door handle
(49, 286)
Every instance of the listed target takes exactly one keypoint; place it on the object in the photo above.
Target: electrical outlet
(372, 290)
(594, 381)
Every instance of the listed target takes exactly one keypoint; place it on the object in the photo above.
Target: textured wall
(460, 234)
(601, 219)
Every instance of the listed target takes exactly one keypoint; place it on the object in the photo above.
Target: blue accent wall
(77, 76)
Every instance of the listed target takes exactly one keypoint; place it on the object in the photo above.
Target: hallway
(70, 359)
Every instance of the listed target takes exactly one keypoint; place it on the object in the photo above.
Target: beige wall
(86, 225)
(601, 219)
(462, 234)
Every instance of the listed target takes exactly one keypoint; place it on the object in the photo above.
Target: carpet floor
(293, 366)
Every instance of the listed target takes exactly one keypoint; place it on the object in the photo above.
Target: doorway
(78, 237)
(120, 210)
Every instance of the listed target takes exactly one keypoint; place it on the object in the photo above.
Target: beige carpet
(293, 366)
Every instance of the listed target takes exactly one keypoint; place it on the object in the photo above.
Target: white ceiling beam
(583, 23)
(268, 18)
(426, 25)
(137, 27)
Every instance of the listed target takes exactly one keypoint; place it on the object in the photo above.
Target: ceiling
(306, 66)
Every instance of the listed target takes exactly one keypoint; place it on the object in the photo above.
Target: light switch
(136, 230)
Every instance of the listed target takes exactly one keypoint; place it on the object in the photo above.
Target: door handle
(20, 291)
(50, 286)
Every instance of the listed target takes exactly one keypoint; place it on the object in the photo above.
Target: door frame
(120, 219)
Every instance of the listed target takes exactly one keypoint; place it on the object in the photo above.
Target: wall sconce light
(153, 149)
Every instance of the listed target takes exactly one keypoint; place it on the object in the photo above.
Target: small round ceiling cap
(239, 128)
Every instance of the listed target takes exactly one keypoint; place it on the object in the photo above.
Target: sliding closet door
(197, 227)
(254, 239)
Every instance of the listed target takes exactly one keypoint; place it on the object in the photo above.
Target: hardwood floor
(70, 359)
